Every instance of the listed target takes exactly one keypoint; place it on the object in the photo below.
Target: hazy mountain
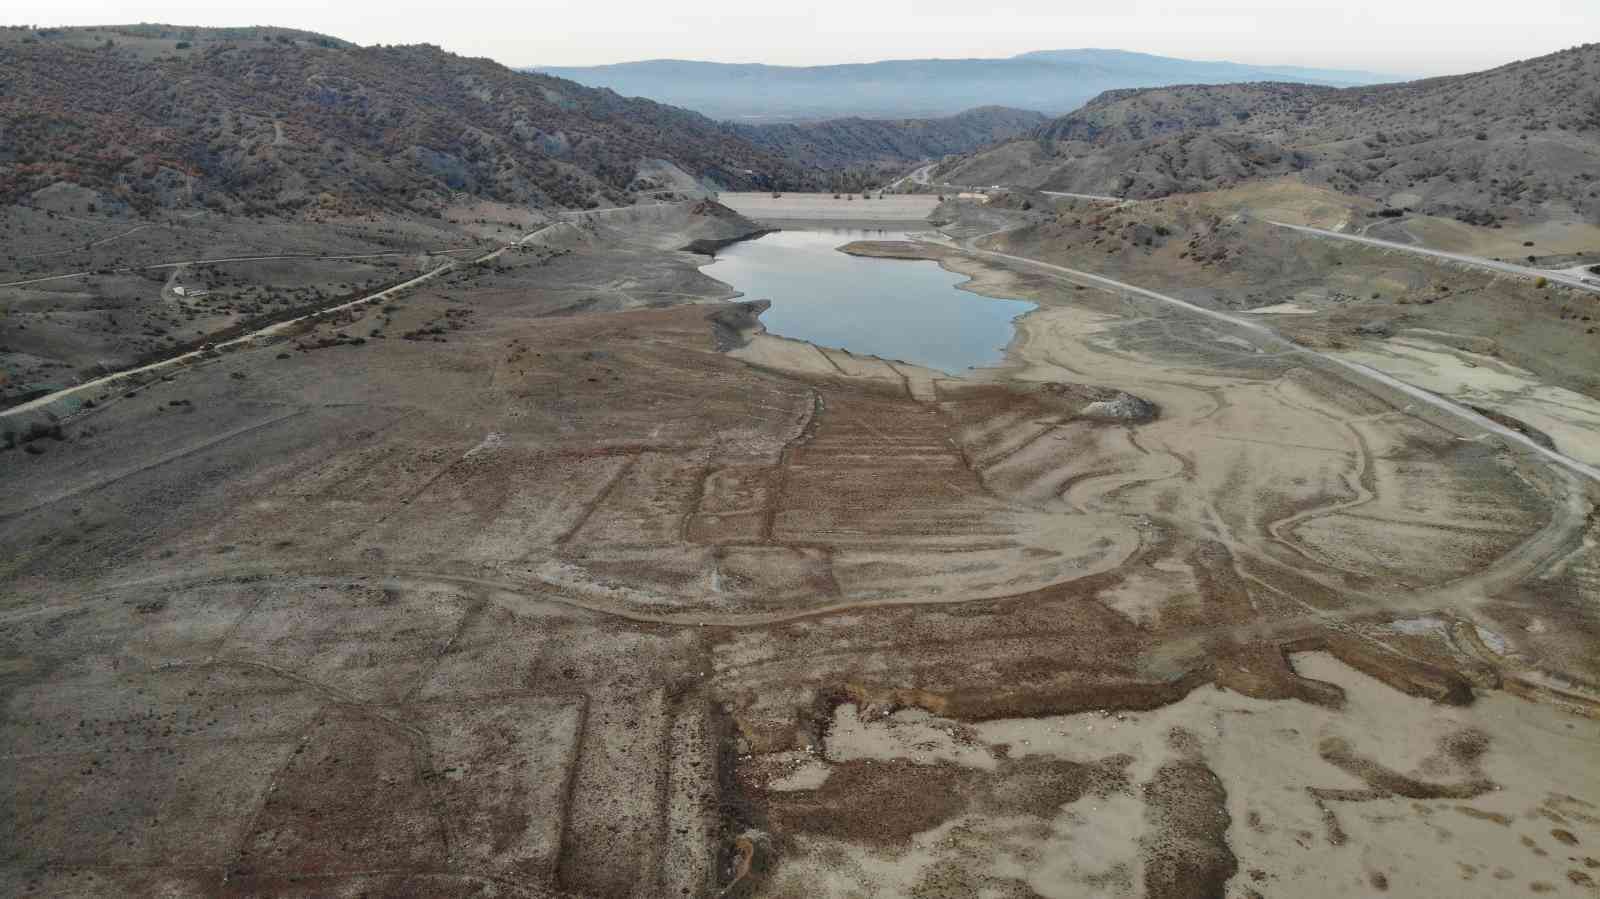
(1054, 81)
(842, 143)
(1189, 71)
(271, 121)
(1522, 135)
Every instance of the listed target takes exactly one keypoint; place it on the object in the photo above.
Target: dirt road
(1561, 277)
(1280, 344)
(579, 601)
(267, 331)
(181, 263)
(1097, 197)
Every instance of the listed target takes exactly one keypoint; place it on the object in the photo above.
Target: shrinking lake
(894, 308)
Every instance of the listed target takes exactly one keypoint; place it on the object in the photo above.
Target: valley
(523, 490)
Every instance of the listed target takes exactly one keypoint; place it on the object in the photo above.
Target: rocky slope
(840, 143)
(275, 122)
(1523, 138)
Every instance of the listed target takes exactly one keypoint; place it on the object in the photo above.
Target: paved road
(1509, 268)
(917, 176)
(1277, 342)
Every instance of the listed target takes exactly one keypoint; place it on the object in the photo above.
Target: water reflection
(893, 308)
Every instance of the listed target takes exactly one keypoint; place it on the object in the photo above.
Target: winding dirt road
(1279, 343)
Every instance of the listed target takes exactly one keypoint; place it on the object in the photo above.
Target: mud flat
(1569, 419)
(1216, 792)
(588, 587)
(1321, 553)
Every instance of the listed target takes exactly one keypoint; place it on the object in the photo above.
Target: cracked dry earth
(586, 605)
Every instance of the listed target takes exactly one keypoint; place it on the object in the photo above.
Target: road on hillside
(1096, 197)
(1511, 268)
(917, 176)
(268, 330)
(1564, 277)
(310, 256)
(1277, 341)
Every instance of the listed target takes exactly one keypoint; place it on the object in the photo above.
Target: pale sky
(1410, 37)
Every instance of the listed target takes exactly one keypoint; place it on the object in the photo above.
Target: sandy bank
(896, 208)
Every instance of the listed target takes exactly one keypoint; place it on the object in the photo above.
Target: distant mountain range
(1050, 81)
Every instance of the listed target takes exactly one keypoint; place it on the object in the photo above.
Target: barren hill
(277, 121)
(1524, 137)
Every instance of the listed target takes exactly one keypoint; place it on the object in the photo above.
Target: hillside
(1055, 81)
(840, 143)
(275, 122)
(1521, 139)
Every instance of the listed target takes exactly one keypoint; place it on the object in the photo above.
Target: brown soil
(610, 594)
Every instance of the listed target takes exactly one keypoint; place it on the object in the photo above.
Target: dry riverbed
(578, 584)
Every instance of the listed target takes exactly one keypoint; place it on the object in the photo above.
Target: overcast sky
(1414, 37)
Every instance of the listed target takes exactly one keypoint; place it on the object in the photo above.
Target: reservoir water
(893, 308)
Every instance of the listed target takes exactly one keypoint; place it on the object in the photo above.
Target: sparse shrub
(39, 430)
(1540, 282)
(182, 45)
